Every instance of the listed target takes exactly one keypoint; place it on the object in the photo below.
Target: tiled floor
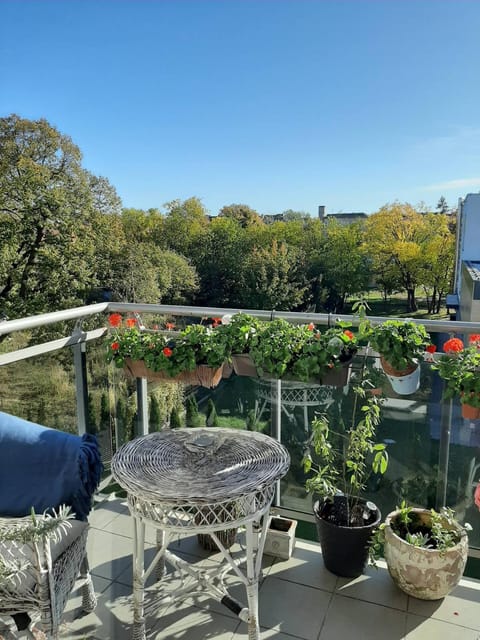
(299, 598)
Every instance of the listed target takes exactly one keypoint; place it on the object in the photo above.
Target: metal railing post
(142, 407)
(81, 386)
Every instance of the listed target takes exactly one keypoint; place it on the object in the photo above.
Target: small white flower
(227, 318)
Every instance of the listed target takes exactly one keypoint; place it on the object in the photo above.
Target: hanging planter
(201, 376)
(243, 365)
(403, 382)
(401, 345)
(469, 412)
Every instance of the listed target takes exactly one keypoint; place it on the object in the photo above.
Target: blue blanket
(45, 468)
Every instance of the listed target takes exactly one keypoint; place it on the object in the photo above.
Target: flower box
(201, 376)
(280, 540)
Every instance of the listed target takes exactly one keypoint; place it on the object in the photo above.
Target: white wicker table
(201, 481)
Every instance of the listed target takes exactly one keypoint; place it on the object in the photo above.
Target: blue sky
(279, 104)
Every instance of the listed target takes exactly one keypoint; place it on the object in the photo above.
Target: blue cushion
(44, 468)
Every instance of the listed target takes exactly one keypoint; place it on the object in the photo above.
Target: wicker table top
(198, 466)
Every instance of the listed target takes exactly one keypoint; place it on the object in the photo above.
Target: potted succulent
(302, 352)
(425, 550)
(459, 366)
(340, 461)
(401, 345)
(194, 356)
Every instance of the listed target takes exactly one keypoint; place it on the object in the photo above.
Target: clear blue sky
(278, 104)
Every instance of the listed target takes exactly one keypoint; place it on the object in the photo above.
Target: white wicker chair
(40, 560)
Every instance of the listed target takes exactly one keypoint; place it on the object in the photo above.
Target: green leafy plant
(459, 366)
(427, 529)
(161, 351)
(401, 343)
(240, 331)
(302, 352)
(342, 459)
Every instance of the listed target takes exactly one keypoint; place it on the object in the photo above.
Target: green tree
(212, 417)
(47, 203)
(184, 225)
(396, 236)
(192, 416)
(155, 423)
(241, 213)
(175, 419)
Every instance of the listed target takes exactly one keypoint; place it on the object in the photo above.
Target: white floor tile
(419, 628)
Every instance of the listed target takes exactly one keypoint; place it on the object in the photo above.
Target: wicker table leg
(161, 569)
(138, 580)
(253, 564)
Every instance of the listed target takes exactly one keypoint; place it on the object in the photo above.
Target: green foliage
(155, 423)
(240, 331)
(341, 459)
(301, 351)
(401, 343)
(460, 370)
(192, 416)
(241, 213)
(175, 419)
(212, 417)
(427, 529)
(195, 345)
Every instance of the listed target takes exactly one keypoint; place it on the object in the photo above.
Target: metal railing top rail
(31, 322)
(292, 316)
(77, 313)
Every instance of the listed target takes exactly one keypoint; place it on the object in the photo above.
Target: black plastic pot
(344, 548)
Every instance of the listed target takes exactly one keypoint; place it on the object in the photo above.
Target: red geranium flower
(348, 333)
(114, 319)
(131, 322)
(169, 326)
(115, 346)
(453, 345)
(431, 348)
(167, 352)
(475, 339)
(311, 326)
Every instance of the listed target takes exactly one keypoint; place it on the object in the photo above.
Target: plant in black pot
(340, 459)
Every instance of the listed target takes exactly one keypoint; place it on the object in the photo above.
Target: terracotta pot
(201, 376)
(428, 574)
(243, 365)
(469, 412)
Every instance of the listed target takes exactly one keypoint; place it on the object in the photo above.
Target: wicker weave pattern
(190, 468)
(53, 583)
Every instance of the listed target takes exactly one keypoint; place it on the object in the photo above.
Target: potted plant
(194, 356)
(241, 330)
(341, 460)
(459, 366)
(302, 352)
(401, 345)
(425, 550)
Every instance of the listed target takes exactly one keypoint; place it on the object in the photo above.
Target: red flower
(167, 352)
(431, 348)
(114, 319)
(475, 339)
(131, 322)
(115, 346)
(477, 496)
(169, 326)
(348, 333)
(311, 326)
(453, 345)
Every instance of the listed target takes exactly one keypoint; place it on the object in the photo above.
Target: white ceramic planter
(280, 540)
(405, 385)
(427, 574)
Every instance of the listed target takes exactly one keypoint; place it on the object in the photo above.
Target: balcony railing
(65, 383)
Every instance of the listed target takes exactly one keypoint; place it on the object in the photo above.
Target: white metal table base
(207, 581)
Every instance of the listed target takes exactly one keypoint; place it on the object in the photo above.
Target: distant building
(342, 218)
(465, 298)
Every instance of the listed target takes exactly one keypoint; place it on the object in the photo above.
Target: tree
(396, 236)
(184, 224)
(212, 417)
(175, 420)
(241, 213)
(275, 278)
(154, 416)
(339, 267)
(192, 416)
(439, 260)
(442, 206)
(47, 205)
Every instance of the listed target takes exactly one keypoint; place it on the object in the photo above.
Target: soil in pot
(344, 534)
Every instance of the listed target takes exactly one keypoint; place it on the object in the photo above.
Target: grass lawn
(396, 307)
